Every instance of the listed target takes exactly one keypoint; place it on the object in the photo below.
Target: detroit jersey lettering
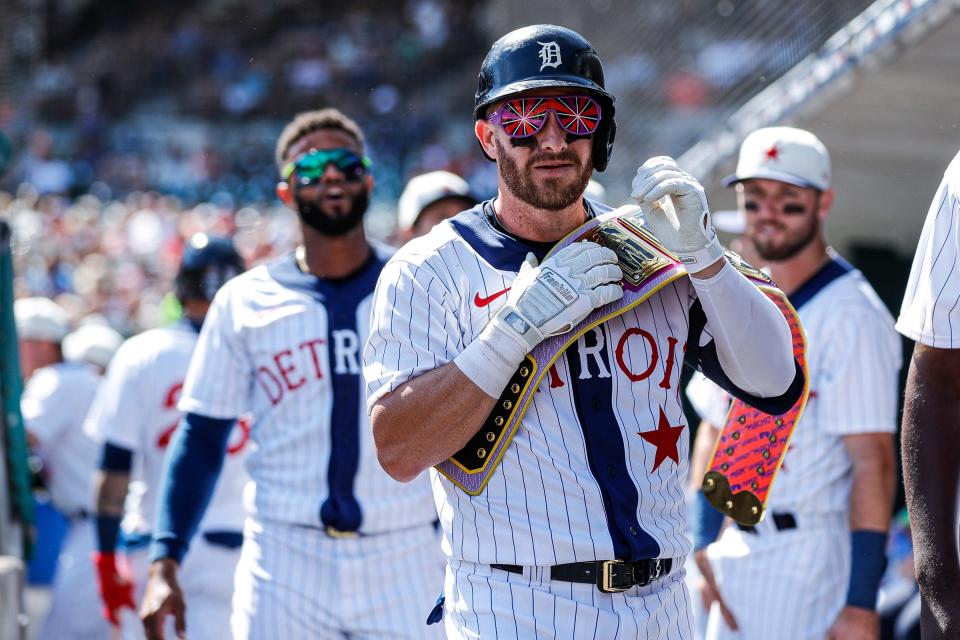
(598, 466)
(285, 347)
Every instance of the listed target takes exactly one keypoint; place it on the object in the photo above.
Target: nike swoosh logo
(482, 302)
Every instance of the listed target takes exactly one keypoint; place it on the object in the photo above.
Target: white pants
(298, 583)
(75, 605)
(788, 585)
(206, 577)
(483, 602)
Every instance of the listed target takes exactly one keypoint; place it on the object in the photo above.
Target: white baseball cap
(93, 343)
(40, 319)
(786, 154)
(424, 190)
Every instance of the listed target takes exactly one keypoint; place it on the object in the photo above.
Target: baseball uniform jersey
(136, 409)
(788, 578)
(53, 404)
(597, 468)
(285, 346)
(930, 313)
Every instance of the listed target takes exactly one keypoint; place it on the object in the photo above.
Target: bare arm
(931, 471)
(426, 420)
(110, 491)
(703, 446)
(871, 497)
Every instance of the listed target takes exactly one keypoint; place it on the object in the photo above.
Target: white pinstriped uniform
(285, 346)
(792, 583)
(136, 409)
(53, 404)
(578, 482)
(930, 313)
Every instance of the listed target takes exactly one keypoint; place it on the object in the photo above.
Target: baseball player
(931, 429)
(55, 399)
(812, 567)
(579, 532)
(333, 546)
(134, 416)
(428, 199)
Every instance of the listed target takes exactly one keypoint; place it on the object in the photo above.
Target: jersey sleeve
(930, 312)
(45, 412)
(709, 400)
(116, 415)
(219, 378)
(856, 383)
(414, 328)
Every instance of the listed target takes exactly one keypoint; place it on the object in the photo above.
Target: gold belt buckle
(606, 577)
(336, 533)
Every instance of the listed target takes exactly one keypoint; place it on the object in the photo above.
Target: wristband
(868, 562)
(705, 522)
(108, 530)
(492, 359)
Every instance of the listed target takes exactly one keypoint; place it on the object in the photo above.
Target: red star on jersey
(664, 438)
(772, 153)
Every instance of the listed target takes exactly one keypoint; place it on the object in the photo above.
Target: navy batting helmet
(207, 262)
(545, 55)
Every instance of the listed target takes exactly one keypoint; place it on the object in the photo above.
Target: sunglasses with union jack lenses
(311, 166)
(524, 117)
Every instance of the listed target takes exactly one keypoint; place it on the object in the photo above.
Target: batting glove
(544, 300)
(682, 221)
(116, 591)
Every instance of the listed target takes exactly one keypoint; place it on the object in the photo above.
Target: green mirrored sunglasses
(311, 165)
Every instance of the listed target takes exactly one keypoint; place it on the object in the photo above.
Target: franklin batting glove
(544, 300)
(684, 225)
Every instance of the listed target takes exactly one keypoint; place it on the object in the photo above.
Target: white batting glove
(544, 300)
(682, 221)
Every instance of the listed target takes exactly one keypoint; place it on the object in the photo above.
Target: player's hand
(116, 590)
(551, 298)
(163, 597)
(683, 225)
(709, 592)
(855, 623)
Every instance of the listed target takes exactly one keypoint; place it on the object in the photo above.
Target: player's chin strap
(647, 267)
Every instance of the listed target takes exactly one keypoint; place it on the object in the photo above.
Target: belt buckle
(337, 533)
(605, 581)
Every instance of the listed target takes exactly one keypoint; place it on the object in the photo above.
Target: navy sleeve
(189, 477)
(116, 459)
(705, 359)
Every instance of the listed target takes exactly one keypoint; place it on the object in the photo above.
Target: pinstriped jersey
(285, 346)
(136, 409)
(930, 313)
(596, 469)
(853, 364)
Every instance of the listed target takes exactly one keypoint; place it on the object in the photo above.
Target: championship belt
(752, 444)
(647, 267)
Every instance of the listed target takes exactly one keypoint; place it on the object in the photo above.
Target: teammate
(55, 399)
(134, 415)
(430, 198)
(812, 567)
(595, 474)
(931, 429)
(333, 546)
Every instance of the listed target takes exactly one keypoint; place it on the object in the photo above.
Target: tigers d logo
(549, 54)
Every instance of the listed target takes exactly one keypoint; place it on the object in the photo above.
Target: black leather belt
(610, 576)
(228, 539)
(782, 521)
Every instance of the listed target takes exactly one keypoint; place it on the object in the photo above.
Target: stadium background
(127, 126)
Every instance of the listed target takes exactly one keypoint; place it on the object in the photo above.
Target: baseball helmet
(207, 262)
(545, 55)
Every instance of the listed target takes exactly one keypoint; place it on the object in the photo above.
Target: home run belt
(752, 443)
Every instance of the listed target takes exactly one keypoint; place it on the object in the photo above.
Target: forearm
(110, 492)
(931, 468)
(703, 445)
(753, 340)
(190, 475)
(427, 419)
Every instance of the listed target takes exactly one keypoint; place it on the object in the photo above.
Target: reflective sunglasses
(311, 165)
(524, 117)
